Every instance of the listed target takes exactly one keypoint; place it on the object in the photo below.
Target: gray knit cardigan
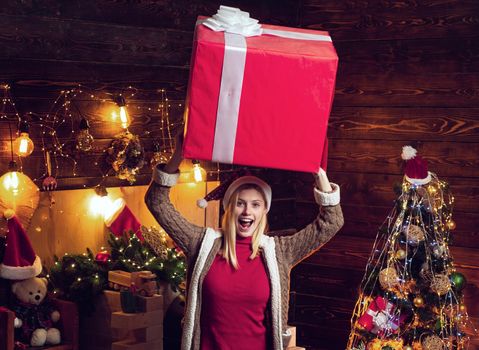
(280, 254)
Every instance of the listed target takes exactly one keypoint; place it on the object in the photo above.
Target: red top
(234, 303)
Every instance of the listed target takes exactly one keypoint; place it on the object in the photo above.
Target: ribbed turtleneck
(234, 302)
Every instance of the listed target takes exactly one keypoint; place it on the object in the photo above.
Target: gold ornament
(451, 225)
(432, 342)
(440, 284)
(407, 347)
(462, 307)
(418, 301)
(401, 254)
(414, 234)
(388, 278)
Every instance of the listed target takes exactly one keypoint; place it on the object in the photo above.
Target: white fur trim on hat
(328, 199)
(21, 272)
(408, 152)
(248, 180)
(424, 181)
(165, 179)
(202, 203)
(8, 214)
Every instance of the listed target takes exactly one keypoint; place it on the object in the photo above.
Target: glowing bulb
(125, 122)
(124, 118)
(198, 172)
(23, 145)
(10, 182)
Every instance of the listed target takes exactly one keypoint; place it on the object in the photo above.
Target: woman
(238, 277)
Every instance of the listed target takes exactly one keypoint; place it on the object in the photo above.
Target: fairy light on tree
(411, 296)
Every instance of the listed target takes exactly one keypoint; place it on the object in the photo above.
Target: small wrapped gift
(382, 317)
(258, 95)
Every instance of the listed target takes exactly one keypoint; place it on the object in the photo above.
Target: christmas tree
(411, 294)
(82, 277)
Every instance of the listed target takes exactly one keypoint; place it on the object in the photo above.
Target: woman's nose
(246, 209)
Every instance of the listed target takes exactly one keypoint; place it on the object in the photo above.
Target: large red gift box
(261, 100)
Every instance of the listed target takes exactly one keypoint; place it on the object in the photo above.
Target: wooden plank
(181, 14)
(63, 39)
(448, 159)
(137, 320)
(414, 90)
(377, 19)
(409, 56)
(386, 123)
(362, 189)
(134, 345)
(148, 335)
(147, 304)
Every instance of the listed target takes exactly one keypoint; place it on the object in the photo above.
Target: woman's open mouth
(245, 224)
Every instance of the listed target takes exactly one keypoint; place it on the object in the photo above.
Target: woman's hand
(322, 181)
(174, 163)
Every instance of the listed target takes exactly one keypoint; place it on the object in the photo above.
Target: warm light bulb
(198, 172)
(23, 145)
(113, 209)
(125, 121)
(10, 182)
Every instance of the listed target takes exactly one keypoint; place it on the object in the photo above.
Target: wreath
(126, 156)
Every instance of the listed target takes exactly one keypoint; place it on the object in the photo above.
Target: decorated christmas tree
(82, 277)
(411, 294)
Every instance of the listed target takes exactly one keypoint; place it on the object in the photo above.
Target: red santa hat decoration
(19, 261)
(416, 168)
(123, 220)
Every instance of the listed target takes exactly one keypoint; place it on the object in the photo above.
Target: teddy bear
(35, 315)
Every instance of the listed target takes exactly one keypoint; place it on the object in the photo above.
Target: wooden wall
(408, 74)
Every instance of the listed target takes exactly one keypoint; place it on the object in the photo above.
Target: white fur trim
(8, 214)
(202, 203)
(268, 245)
(408, 152)
(165, 179)
(424, 181)
(112, 218)
(192, 301)
(21, 272)
(328, 199)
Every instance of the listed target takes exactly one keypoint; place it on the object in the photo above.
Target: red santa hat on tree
(415, 170)
(123, 220)
(19, 261)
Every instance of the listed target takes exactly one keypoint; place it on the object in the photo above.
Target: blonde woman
(238, 276)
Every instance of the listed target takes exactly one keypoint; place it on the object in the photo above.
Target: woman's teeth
(245, 223)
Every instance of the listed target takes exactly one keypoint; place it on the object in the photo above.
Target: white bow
(233, 20)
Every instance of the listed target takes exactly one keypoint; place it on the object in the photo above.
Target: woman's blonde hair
(228, 225)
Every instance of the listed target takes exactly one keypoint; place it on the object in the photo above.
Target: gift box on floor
(260, 100)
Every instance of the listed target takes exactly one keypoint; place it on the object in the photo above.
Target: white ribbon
(237, 25)
(383, 319)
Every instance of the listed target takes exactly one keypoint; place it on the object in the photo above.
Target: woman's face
(248, 211)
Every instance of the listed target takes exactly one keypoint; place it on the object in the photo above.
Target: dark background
(408, 74)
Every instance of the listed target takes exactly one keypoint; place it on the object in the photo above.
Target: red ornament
(102, 257)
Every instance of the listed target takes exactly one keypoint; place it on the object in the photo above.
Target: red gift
(382, 318)
(260, 100)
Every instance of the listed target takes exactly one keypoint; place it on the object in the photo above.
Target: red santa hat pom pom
(416, 168)
(123, 220)
(19, 261)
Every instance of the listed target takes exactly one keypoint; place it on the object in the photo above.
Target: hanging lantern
(23, 146)
(84, 140)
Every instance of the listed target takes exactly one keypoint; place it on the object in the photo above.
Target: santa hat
(19, 261)
(416, 167)
(123, 220)
(228, 187)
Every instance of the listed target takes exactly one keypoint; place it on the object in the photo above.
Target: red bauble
(102, 257)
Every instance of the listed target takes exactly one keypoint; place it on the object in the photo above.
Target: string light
(23, 146)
